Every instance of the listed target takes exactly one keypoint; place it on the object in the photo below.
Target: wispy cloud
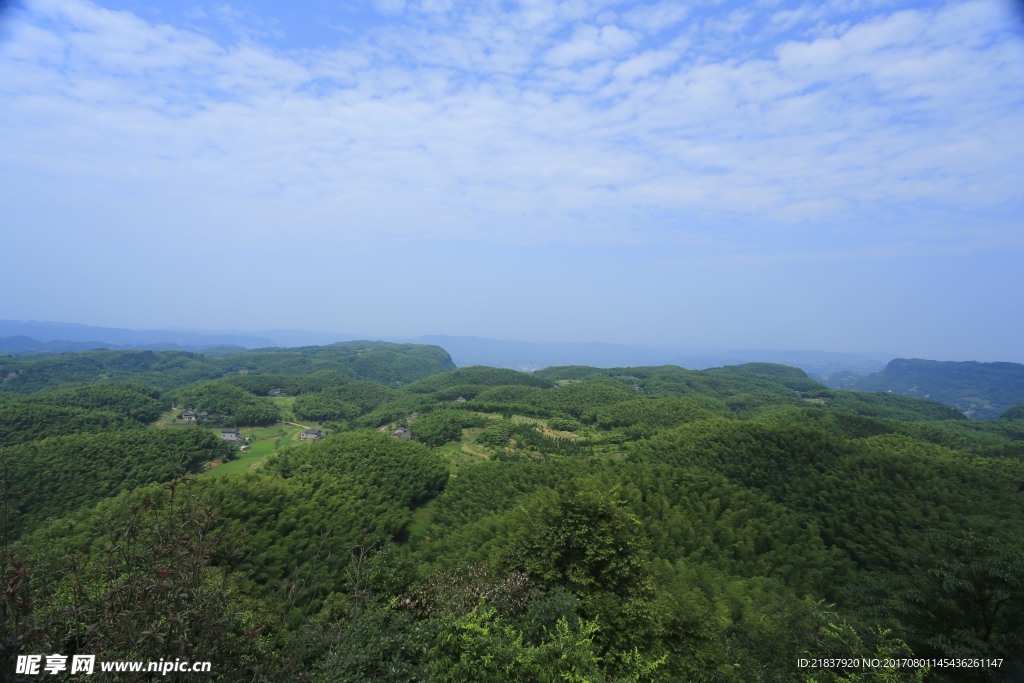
(576, 121)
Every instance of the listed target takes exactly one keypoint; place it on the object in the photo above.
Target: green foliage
(233, 405)
(564, 424)
(145, 592)
(367, 395)
(981, 390)
(517, 398)
(890, 405)
(397, 409)
(441, 426)
(513, 438)
(475, 376)
(870, 498)
(403, 472)
(498, 434)
(377, 644)
(581, 401)
(648, 415)
(583, 539)
(967, 602)
(289, 385)
(324, 406)
(22, 421)
(377, 361)
(135, 401)
(163, 369)
(390, 364)
(55, 476)
(480, 646)
(299, 516)
(1014, 413)
(719, 383)
(689, 530)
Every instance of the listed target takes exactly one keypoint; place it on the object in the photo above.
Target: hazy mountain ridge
(22, 345)
(530, 356)
(979, 390)
(19, 336)
(55, 337)
(383, 362)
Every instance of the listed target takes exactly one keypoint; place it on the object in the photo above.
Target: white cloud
(656, 17)
(591, 43)
(526, 127)
(389, 6)
(645, 63)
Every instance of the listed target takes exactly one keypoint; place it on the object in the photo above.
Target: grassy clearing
(558, 434)
(544, 428)
(459, 456)
(467, 452)
(170, 419)
(522, 419)
(421, 518)
(470, 445)
(284, 404)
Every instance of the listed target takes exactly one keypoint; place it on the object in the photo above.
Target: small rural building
(189, 416)
(275, 392)
(230, 434)
(311, 435)
(401, 433)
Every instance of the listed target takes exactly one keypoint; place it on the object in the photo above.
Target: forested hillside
(478, 524)
(979, 390)
(378, 361)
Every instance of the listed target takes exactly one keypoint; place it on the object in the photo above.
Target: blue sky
(843, 176)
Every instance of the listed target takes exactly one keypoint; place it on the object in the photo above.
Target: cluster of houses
(189, 416)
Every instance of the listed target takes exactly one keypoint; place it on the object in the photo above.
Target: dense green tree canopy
(626, 524)
(227, 403)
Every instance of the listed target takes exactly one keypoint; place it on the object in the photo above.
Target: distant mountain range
(980, 390)
(529, 356)
(19, 336)
(28, 336)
